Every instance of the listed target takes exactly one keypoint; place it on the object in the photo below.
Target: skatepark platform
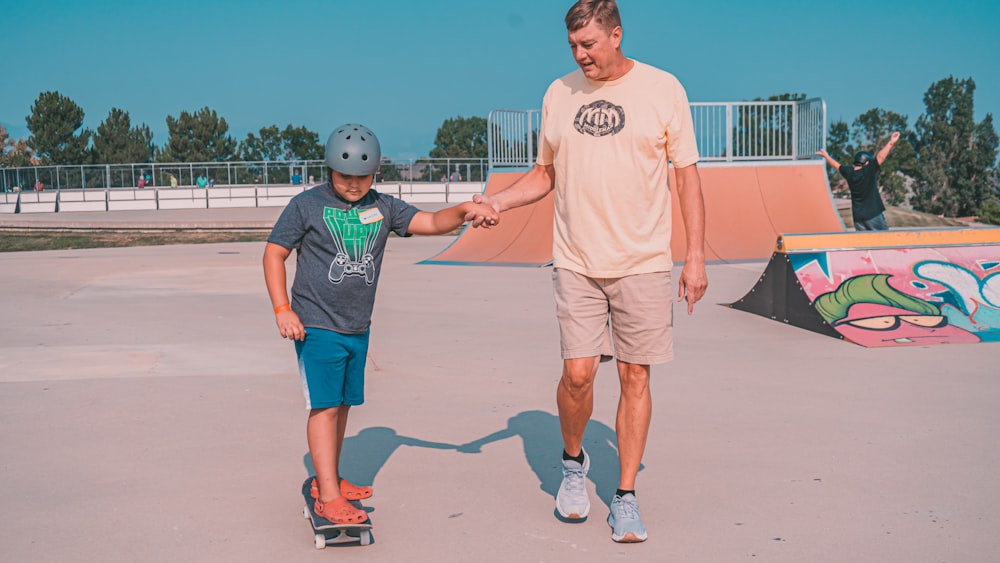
(150, 412)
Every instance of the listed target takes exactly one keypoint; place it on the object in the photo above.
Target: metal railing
(158, 175)
(725, 132)
(512, 136)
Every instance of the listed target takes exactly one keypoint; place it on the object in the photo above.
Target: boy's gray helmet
(863, 157)
(353, 149)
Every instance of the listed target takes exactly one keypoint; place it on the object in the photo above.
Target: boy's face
(351, 188)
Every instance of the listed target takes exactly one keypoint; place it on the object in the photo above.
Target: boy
(339, 230)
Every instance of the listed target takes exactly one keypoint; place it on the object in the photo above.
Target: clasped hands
(483, 212)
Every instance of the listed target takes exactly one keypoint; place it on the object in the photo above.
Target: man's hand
(693, 283)
(480, 217)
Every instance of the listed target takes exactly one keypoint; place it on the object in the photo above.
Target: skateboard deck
(326, 532)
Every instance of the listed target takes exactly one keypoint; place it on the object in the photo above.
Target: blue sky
(403, 67)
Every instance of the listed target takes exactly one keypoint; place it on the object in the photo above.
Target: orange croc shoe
(340, 511)
(348, 489)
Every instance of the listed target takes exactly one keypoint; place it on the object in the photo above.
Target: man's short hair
(604, 12)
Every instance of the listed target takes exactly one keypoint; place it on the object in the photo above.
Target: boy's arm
(447, 220)
(275, 278)
(884, 153)
(829, 159)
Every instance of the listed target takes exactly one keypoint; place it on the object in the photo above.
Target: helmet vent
(345, 156)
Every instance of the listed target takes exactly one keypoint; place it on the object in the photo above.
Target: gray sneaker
(626, 525)
(572, 501)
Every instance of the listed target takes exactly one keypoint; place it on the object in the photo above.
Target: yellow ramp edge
(793, 243)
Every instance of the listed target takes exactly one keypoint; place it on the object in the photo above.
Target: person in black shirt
(862, 178)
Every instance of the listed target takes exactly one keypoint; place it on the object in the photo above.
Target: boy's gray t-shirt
(339, 248)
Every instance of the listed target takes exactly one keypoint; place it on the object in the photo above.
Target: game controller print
(355, 241)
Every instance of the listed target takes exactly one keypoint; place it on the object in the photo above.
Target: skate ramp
(888, 288)
(523, 237)
(746, 207)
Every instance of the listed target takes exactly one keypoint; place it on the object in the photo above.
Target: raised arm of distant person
(829, 159)
(884, 153)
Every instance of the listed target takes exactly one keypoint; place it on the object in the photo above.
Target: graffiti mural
(905, 296)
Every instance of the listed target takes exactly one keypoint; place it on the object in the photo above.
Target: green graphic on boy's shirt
(354, 241)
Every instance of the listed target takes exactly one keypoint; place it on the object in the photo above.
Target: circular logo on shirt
(599, 118)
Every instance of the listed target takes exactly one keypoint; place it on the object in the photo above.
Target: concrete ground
(150, 412)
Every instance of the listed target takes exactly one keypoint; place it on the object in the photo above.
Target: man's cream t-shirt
(609, 143)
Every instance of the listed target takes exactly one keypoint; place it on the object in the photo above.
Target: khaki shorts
(636, 313)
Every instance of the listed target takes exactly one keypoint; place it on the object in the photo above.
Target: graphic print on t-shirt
(354, 240)
(599, 118)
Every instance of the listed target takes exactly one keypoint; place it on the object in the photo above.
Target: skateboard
(328, 533)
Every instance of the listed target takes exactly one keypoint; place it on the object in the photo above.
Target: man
(608, 130)
(867, 208)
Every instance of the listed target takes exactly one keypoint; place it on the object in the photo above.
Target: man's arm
(694, 279)
(533, 186)
(884, 153)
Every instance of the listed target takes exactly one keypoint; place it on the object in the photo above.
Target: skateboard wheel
(320, 541)
(365, 537)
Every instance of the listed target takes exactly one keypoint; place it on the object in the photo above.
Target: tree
(198, 137)
(955, 155)
(302, 144)
(870, 132)
(291, 144)
(14, 153)
(116, 141)
(266, 147)
(53, 123)
(388, 171)
(461, 137)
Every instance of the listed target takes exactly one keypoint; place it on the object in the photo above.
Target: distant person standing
(867, 207)
(202, 181)
(142, 181)
(173, 180)
(456, 176)
(296, 178)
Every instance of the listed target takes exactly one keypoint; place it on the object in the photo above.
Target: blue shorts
(332, 368)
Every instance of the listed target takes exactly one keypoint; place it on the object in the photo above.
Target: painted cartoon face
(870, 324)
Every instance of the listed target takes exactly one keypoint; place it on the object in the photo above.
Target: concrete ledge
(82, 200)
(38, 202)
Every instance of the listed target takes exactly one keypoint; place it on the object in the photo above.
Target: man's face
(596, 51)
(352, 188)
